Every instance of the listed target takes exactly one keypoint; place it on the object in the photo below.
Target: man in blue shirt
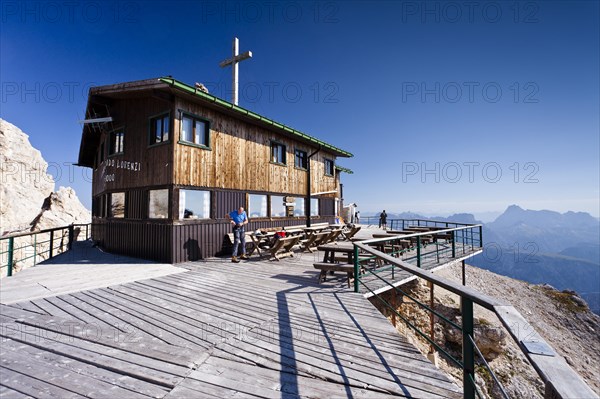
(238, 220)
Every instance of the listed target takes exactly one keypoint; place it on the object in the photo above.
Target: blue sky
(447, 106)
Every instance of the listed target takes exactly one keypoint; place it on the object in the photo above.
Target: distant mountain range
(560, 249)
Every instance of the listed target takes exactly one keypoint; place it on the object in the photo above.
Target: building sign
(109, 167)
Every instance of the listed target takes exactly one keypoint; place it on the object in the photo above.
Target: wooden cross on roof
(233, 61)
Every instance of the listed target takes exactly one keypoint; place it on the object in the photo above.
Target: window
(159, 129)
(158, 207)
(117, 205)
(328, 167)
(257, 206)
(194, 204)
(299, 207)
(277, 153)
(314, 207)
(277, 206)
(194, 130)
(116, 142)
(301, 159)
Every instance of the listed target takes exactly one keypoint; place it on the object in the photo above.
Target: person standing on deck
(383, 220)
(357, 217)
(238, 220)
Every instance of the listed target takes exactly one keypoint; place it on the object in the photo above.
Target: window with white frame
(329, 167)
(116, 142)
(159, 129)
(158, 204)
(194, 204)
(278, 153)
(277, 206)
(314, 207)
(257, 206)
(299, 207)
(301, 159)
(117, 205)
(195, 130)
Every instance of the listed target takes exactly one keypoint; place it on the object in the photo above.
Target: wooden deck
(254, 329)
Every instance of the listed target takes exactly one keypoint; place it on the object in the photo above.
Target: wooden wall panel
(134, 238)
(139, 165)
(239, 158)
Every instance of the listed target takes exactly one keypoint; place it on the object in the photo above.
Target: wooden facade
(168, 145)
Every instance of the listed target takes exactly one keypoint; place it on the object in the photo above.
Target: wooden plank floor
(70, 272)
(255, 329)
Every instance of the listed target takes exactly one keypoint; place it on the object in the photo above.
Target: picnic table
(315, 229)
(329, 260)
(331, 249)
(259, 240)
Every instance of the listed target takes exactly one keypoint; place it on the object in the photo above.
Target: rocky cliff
(561, 317)
(28, 201)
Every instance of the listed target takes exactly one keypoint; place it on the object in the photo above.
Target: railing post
(480, 236)
(11, 246)
(418, 251)
(51, 251)
(468, 353)
(87, 232)
(453, 238)
(34, 248)
(71, 236)
(356, 269)
(395, 306)
(431, 317)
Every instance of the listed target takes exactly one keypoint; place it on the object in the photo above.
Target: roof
(90, 139)
(342, 169)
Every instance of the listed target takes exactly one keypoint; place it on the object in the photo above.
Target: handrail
(65, 243)
(560, 380)
(28, 233)
(424, 233)
(406, 222)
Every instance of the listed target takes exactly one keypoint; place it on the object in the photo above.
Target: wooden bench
(333, 235)
(348, 235)
(283, 247)
(334, 267)
(313, 241)
(320, 225)
(295, 230)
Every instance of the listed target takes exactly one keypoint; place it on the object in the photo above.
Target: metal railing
(41, 245)
(399, 224)
(372, 256)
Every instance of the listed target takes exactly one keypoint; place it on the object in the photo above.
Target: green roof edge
(342, 169)
(209, 97)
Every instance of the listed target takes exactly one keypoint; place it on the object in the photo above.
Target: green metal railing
(373, 256)
(16, 248)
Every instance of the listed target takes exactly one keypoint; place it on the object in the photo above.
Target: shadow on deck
(217, 329)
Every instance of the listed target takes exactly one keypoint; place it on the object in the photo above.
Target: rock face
(60, 209)
(561, 317)
(25, 183)
(28, 201)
